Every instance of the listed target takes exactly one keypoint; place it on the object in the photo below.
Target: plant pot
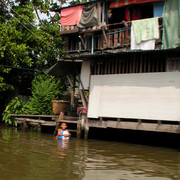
(59, 106)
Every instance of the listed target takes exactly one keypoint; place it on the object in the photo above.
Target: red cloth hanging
(127, 14)
(121, 3)
(71, 16)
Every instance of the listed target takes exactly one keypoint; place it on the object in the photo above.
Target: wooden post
(61, 117)
(119, 120)
(116, 40)
(159, 123)
(100, 120)
(82, 122)
(73, 92)
(39, 127)
(25, 125)
(78, 134)
(110, 41)
(73, 88)
(139, 121)
(86, 128)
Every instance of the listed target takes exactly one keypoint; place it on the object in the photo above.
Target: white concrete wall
(154, 96)
(85, 75)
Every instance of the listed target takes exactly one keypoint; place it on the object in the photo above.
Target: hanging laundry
(158, 9)
(71, 16)
(171, 24)
(89, 17)
(146, 29)
(146, 45)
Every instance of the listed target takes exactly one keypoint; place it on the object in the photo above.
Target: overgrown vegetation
(29, 44)
(45, 88)
(14, 107)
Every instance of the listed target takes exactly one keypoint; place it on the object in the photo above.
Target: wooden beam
(167, 128)
(69, 80)
(83, 98)
(67, 121)
(66, 118)
(105, 37)
(23, 115)
(81, 92)
(30, 120)
(82, 40)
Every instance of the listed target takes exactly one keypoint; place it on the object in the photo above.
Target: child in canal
(63, 133)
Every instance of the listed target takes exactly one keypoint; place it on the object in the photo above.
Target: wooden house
(130, 62)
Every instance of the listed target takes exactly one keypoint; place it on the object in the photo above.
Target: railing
(109, 37)
(113, 39)
(68, 29)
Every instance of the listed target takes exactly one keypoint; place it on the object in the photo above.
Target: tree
(26, 44)
(23, 43)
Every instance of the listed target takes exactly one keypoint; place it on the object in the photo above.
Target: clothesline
(160, 17)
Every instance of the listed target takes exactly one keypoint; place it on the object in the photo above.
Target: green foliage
(23, 42)
(74, 2)
(14, 107)
(44, 90)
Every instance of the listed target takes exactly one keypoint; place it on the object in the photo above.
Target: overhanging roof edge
(58, 10)
(88, 56)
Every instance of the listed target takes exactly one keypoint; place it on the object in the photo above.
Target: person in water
(63, 133)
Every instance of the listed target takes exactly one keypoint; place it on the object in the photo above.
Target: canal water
(29, 156)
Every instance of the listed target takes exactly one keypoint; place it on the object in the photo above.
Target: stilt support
(78, 134)
(25, 125)
(86, 128)
(39, 128)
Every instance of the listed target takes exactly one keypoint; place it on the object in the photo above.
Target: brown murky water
(29, 155)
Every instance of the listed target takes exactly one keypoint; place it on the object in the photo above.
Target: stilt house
(129, 52)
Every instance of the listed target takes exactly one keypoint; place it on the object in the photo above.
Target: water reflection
(127, 161)
(29, 155)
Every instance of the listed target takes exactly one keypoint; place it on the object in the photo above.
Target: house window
(128, 13)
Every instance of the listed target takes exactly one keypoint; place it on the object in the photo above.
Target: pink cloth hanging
(71, 16)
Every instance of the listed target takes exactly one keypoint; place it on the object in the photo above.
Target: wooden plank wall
(138, 125)
(173, 64)
(128, 64)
